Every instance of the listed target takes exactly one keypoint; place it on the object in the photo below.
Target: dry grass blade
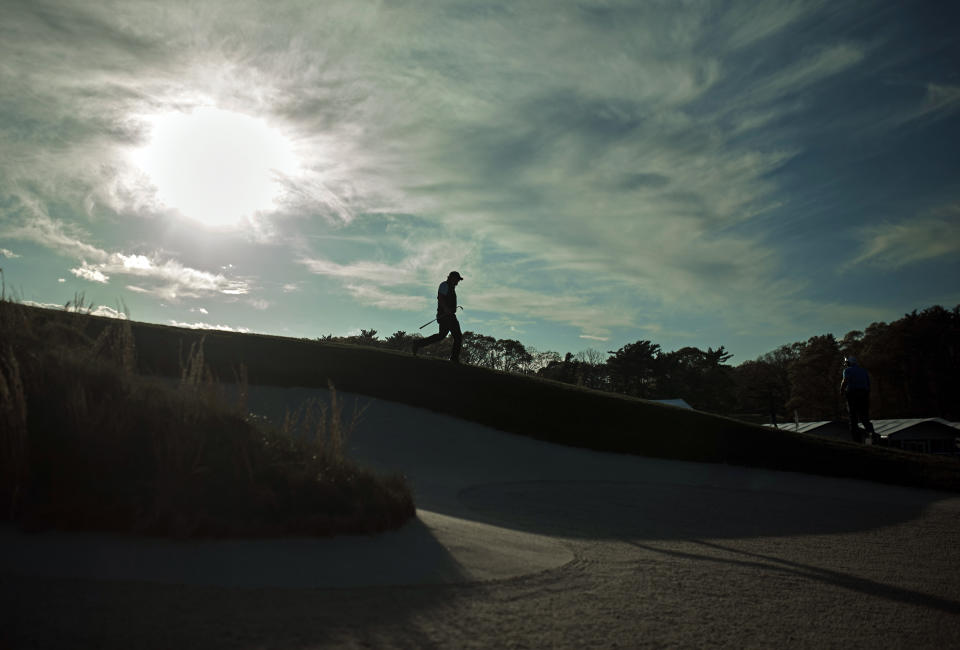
(323, 425)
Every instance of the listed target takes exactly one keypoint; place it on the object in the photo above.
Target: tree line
(913, 364)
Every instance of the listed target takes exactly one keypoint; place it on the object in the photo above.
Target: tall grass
(13, 424)
(87, 443)
(323, 425)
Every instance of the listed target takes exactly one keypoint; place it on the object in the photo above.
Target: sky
(741, 174)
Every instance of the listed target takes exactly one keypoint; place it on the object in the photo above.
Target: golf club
(441, 316)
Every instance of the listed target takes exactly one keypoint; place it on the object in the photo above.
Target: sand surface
(520, 543)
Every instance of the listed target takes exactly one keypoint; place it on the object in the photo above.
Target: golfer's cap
(851, 361)
(454, 276)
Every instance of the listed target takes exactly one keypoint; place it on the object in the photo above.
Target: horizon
(709, 175)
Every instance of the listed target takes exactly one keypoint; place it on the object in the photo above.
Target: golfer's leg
(436, 338)
(852, 411)
(865, 413)
(457, 341)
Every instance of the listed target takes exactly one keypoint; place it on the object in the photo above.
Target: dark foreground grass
(530, 406)
(88, 443)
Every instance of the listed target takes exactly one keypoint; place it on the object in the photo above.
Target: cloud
(575, 310)
(172, 280)
(26, 219)
(594, 338)
(385, 299)
(86, 272)
(208, 326)
(896, 245)
(942, 98)
(821, 64)
(4, 252)
(100, 310)
(109, 312)
(940, 101)
(378, 272)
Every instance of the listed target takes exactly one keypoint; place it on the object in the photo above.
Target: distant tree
(399, 340)
(761, 391)
(815, 379)
(541, 360)
(592, 356)
(700, 377)
(851, 345)
(913, 364)
(478, 350)
(632, 368)
(560, 369)
(513, 356)
(763, 385)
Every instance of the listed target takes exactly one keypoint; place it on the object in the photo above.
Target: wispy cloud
(170, 278)
(594, 338)
(9, 254)
(386, 299)
(26, 219)
(377, 272)
(896, 245)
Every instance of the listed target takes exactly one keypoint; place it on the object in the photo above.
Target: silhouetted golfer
(446, 317)
(856, 387)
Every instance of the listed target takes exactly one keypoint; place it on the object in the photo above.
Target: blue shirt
(857, 378)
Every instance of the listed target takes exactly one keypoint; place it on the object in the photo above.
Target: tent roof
(883, 428)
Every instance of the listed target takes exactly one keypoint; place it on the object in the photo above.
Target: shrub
(87, 443)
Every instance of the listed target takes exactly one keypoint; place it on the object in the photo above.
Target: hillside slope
(529, 406)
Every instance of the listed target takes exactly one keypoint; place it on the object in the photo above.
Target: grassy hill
(289, 499)
(539, 408)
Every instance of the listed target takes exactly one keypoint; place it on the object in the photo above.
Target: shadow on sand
(652, 511)
(750, 560)
(411, 555)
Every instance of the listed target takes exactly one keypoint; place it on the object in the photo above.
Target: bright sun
(216, 166)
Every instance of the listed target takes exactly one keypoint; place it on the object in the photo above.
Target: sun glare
(216, 166)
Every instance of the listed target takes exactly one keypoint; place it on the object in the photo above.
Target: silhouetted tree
(632, 368)
(913, 364)
(541, 360)
(702, 378)
(815, 379)
(763, 385)
(513, 356)
(478, 350)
